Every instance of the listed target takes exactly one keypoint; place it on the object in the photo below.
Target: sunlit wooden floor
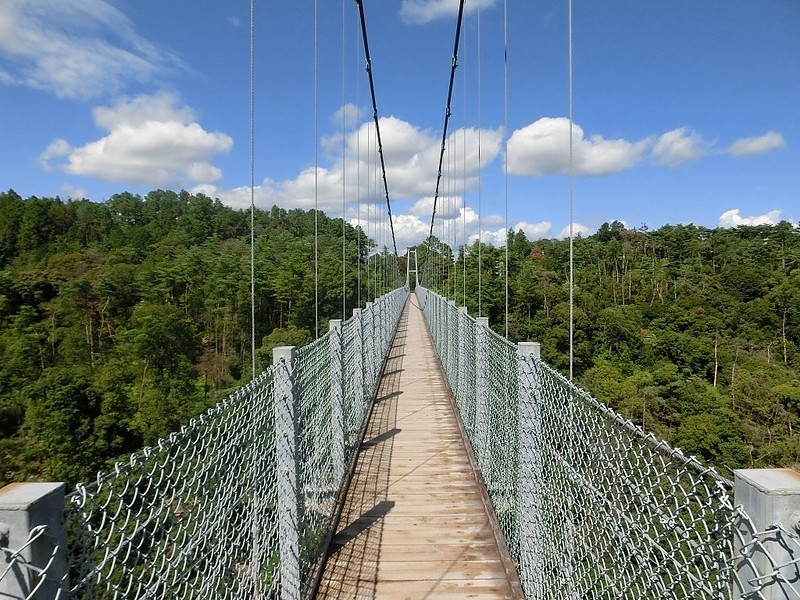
(414, 523)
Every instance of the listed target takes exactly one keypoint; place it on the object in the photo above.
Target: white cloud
(542, 148)
(73, 193)
(78, 49)
(732, 218)
(350, 113)
(497, 237)
(757, 145)
(57, 149)
(678, 146)
(446, 208)
(150, 141)
(425, 11)
(411, 156)
(577, 229)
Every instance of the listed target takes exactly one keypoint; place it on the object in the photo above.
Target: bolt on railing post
(337, 399)
(482, 408)
(32, 525)
(766, 547)
(287, 447)
(530, 472)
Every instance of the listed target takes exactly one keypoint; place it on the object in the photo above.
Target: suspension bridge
(409, 452)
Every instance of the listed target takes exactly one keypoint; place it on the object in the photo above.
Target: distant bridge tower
(409, 270)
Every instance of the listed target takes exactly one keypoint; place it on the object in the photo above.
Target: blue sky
(685, 111)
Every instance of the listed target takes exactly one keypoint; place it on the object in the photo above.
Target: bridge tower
(409, 270)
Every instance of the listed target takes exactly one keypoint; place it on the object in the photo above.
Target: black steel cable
(375, 118)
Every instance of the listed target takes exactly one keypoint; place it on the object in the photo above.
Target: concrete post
(32, 527)
(451, 343)
(529, 421)
(461, 387)
(483, 423)
(287, 447)
(358, 380)
(768, 560)
(337, 441)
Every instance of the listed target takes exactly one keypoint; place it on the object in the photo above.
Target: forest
(123, 319)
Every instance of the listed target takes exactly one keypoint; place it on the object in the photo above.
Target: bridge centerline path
(414, 523)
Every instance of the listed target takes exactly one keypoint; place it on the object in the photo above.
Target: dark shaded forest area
(121, 320)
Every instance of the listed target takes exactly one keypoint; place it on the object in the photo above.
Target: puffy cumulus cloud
(542, 148)
(350, 114)
(771, 140)
(424, 11)
(732, 218)
(72, 192)
(497, 237)
(678, 146)
(150, 141)
(78, 49)
(577, 229)
(446, 208)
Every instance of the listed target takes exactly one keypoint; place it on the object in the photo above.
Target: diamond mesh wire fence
(590, 505)
(236, 503)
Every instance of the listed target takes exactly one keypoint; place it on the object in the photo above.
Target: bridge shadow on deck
(352, 565)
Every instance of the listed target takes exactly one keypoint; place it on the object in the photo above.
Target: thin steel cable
(571, 202)
(316, 169)
(375, 118)
(505, 135)
(480, 180)
(252, 188)
(344, 172)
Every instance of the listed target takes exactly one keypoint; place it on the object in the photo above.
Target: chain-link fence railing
(236, 503)
(590, 505)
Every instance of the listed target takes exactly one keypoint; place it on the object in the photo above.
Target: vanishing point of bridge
(397, 457)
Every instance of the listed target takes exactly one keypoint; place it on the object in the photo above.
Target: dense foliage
(692, 332)
(121, 320)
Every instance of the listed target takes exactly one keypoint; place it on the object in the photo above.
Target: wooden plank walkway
(414, 524)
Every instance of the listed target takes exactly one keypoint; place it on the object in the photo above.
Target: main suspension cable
(447, 113)
(368, 59)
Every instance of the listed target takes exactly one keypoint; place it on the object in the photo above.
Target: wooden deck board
(414, 523)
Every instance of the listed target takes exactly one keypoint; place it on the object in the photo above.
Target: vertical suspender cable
(252, 190)
(316, 170)
(505, 135)
(480, 179)
(464, 183)
(344, 175)
(571, 203)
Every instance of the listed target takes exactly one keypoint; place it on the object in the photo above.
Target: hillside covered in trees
(692, 332)
(121, 320)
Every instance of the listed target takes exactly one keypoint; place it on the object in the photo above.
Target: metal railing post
(530, 472)
(358, 374)
(482, 408)
(287, 448)
(451, 343)
(33, 563)
(462, 364)
(766, 544)
(336, 369)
